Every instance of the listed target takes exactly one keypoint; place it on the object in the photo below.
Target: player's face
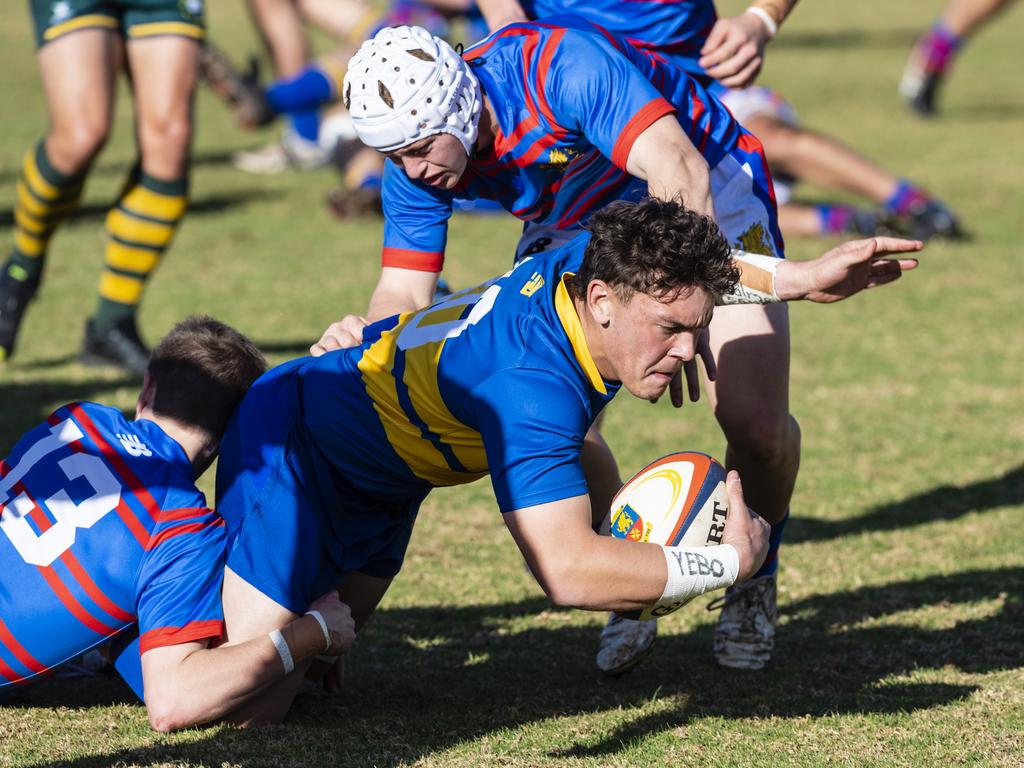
(437, 160)
(648, 339)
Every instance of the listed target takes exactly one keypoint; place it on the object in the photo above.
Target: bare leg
(248, 613)
(79, 71)
(964, 17)
(280, 25)
(751, 402)
(336, 17)
(821, 159)
(164, 71)
(799, 220)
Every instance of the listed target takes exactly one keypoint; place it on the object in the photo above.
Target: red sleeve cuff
(640, 122)
(191, 632)
(422, 261)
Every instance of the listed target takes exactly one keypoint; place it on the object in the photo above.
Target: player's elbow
(171, 712)
(567, 587)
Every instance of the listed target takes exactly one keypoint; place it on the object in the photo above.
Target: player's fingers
(746, 75)
(675, 389)
(718, 33)
(884, 245)
(710, 366)
(736, 64)
(692, 380)
(720, 61)
(734, 490)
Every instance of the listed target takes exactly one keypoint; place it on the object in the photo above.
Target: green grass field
(901, 638)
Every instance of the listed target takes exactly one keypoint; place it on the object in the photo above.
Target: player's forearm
(612, 574)
(210, 682)
(401, 290)
(686, 179)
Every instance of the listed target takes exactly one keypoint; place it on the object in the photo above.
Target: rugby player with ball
(327, 460)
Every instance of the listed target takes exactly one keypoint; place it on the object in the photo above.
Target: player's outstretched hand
(347, 332)
(734, 50)
(847, 269)
(744, 529)
(340, 625)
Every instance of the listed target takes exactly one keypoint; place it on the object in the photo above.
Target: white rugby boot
(624, 643)
(745, 633)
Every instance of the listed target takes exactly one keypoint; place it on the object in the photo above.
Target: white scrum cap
(405, 84)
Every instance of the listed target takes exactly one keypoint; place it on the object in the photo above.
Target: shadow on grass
(947, 502)
(428, 679)
(27, 404)
(199, 206)
(851, 38)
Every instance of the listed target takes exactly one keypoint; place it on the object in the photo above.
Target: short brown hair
(202, 368)
(657, 247)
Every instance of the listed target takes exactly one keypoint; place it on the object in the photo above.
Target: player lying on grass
(325, 463)
(105, 536)
(797, 153)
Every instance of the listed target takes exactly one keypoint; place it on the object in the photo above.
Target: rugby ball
(679, 501)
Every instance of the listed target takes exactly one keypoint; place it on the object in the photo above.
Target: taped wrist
(757, 280)
(323, 627)
(282, 650)
(766, 18)
(693, 572)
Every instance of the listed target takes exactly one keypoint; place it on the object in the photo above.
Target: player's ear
(146, 394)
(600, 301)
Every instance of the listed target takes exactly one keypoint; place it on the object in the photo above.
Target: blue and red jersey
(102, 528)
(570, 100)
(674, 30)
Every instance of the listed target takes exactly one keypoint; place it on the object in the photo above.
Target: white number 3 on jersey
(43, 548)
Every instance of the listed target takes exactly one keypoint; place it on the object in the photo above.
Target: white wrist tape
(769, 22)
(283, 650)
(323, 627)
(757, 279)
(693, 572)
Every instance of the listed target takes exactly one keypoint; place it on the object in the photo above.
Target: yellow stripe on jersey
(82, 22)
(574, 330)
(421, 365)
(155, 28)
(422, 457)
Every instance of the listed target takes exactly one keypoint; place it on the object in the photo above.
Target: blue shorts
(296, 526)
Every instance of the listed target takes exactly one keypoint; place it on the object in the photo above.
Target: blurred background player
(315, 90)
(82, 47)
(797, 153)
(103, 534)
(934, 53)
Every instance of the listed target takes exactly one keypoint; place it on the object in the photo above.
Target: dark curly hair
(202, 368)
(656, 247)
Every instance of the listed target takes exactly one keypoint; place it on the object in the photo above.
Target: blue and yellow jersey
(494, 380)
(674, 30)
(570, 100)
(102, 529)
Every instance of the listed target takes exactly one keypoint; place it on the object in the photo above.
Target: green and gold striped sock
(139, 229)
(45, 197)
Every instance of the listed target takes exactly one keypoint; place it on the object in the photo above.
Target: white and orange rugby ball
(678, 501)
